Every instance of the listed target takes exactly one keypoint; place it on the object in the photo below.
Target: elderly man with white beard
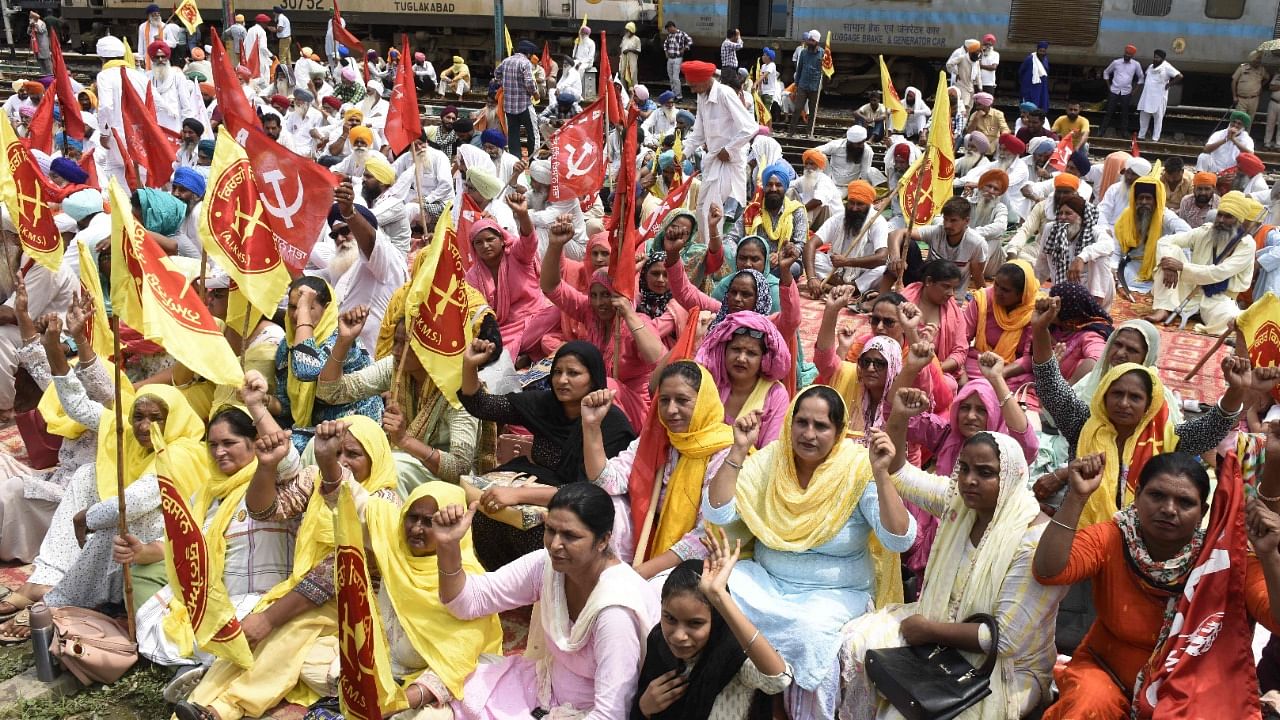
(990, 217)
(851, 256)
(176, 98)
(543, 213)
(1140, 228)
(424, 184)
(1204, 269)
(1116, 198)
(1079, 249)
(1027, 241)
(301, 119)
(974, 159)
(815, 189)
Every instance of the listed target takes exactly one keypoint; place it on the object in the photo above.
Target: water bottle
(42, 635)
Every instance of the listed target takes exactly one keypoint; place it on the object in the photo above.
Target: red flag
(1058, 160)
(577, 158)
(252, 60)
(236, 112)
(342, 35)
(546, 58)
(1133, 148)
(622, 224)
(1202, 656)
(130, 165)
(404, 123)
(40, 129)
(72, 120)
(150, 147)
(470, 212)
(296, 193)
(652, 454)
(607, 90)
(674, 199)
(89, 166)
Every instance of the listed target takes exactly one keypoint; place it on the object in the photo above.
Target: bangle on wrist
(1264, 498)
(1061, 524)
(1005, 399)
(450, 574)
(732, 464)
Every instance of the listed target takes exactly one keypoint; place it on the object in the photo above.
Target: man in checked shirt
(675, 45)
(515, 77)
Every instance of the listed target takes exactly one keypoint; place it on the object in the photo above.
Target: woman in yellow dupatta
(999, 318)
(290, 623)
(808, 500)
(429, 647)
(657, 482)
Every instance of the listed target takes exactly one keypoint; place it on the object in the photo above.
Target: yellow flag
(927, 183)
(366, 689)
(1260, 325)
(892, 103)
(507, 36)
(151, 295)
(189, 13)
(438, 310)
(200, 614)
(98, 328)
(23, 189)
(578, 38)
(128, 54)
(233, 232)
(678, 148)
(828, 60)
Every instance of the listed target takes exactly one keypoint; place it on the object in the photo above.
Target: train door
(759, 18)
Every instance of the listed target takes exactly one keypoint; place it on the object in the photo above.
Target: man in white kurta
(862, 264)
(1191, 265)
(584, 53)
(1155, 96)
(256, 37)
(174, 95)
(724, 127)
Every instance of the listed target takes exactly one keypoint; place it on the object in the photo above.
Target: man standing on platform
(988, 63)
(675, 45)
(1124, 74)
(808, 77)
(724, 127)
(1155, 95)
(284, 35)
(1033, 76)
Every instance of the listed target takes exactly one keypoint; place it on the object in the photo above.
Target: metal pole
(499, 32)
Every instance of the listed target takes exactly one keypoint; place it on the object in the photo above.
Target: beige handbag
(521, 517)
(92, 646)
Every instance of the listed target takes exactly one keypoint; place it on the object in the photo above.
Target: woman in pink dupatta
(505, 272)
(935, 295)
(748, 358)
(628, 340)
(894, 317)
(976, 408)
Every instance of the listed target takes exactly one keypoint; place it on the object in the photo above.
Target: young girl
(705, 659)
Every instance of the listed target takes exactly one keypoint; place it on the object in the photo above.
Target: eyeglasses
(870, 363)
(757, 334)
(887, 322)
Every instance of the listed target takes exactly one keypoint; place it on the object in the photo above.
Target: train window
(1152, 8)
(1224, 9)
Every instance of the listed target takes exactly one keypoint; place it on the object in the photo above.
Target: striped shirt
(677, 44)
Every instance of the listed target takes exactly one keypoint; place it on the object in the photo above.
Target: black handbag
(932, 682)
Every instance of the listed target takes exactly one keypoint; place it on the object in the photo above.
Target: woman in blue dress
(826, 529)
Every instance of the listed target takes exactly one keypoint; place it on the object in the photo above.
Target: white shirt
(1114, 201)
(172, 95)
(841, 170)
(722, 123)
(877, 238)
(14, 105)
(1155, 92)
(1225, 156)
(584, 55)
(109, 90)
(570, 81)
(393, 220)
(1123, 75)
(147, 34)
(770, 81)
(284, 28)
(659, 124)
(258, 35)
(988, 57)
(434, 180)
(371, 281)
(298, 126)
(817, 185)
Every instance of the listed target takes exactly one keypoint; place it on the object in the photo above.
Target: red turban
(1012, 144)
(158, 48)
(902, 151)
(1131, 49)
(332, 101)
(1251, 164)
(697, 71)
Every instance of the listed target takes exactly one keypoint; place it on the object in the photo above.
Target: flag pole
(244, 332)
(122, 524)
(417, 185)
(813, 121)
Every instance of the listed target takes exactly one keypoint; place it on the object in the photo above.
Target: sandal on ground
(20, 620)
(182, 683)
(15, 600)
(191, 711)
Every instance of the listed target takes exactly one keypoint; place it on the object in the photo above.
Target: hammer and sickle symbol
(280, 209)
(576, 161)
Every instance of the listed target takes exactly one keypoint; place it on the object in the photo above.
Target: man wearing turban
(1195, 207)
(189, 186)
(1224, 146)
(988, 120)
(1116, 198)
(1027, 241)
(815, 189)
(1250, 176)
(777, 218)
(724, 128)
(990, 216)
(20, 98)
(111, 50)
(1123, 76)
(176, 97)
(849, 159)
(851, 247)
(584, 51)
(300, 120)
(387, 207)
(962, 68)
(1140, 227)
(1219, 268)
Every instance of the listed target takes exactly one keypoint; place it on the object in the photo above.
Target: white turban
(540, 171)
(1042, 144)
(813, 35)
(1139, 166)
(110, 47)
(856, 134)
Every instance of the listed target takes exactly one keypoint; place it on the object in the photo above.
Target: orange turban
(1204, 179)
(360, 132)
(997, 176)
(1066, 180)
(861, 191)
(813, 155)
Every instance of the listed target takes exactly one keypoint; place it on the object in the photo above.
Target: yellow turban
(381, 170)
(1240, 206)
(484, 182)
(361, 132)
(353, 113)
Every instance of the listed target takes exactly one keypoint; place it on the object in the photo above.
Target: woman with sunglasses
(891, 316)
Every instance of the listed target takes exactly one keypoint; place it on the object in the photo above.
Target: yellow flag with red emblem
(438, 309)
(828, 60)
(189, 13)
(26, 197)
(1260, 326)
(926, 185)
(150, 294)
(98, 327)
(889, 95)
(366, 688)
(200, 613)
(234, 232)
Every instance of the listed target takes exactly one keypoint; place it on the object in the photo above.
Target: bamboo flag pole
(813, 121)
(122, 523)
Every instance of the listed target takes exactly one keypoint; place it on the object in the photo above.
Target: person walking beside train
(1247, 83)
(808, 76)
(1033, 76)
(1124, 74)
(988, 63)
(1155, 95)
(675, 45)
